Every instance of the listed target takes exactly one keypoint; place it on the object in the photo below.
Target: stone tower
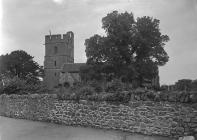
(58, 51)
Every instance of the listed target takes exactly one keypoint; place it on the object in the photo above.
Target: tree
(90, 72)
(21, 64)
(184, 84)
(128, 43)
(194, 85)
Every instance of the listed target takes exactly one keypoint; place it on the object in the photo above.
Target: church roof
(72, 67)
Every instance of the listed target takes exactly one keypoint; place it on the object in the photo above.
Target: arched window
(55, 49)
(55, 63)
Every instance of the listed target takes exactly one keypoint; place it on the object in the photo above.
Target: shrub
(114, 86)
(116, 91)
(12, 86)
(128, 87)
(123, 97)
(164, 96)
(85, 91)
(95, 97)
(64, 94)
(151, 95)
(193, 97)
(35, 88)
(16, 85)
(1, 87)
(96, 85)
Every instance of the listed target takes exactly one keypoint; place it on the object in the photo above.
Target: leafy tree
(19, 63)
(132, 49)
(194, 85)
(184, 84)
(90, 72)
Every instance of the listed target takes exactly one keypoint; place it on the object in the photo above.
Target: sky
(24, 23)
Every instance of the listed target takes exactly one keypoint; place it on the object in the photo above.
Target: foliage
(114, 86)
(88, 93)
(12, 86)
(186, 85)
(19, 63)
(35, 88)
(119, 92)
(16, 85)
(121, 97)
(77, 92)
(194, 85)
(91, 72)
(97, 86)
(85, 91)
(130, 50)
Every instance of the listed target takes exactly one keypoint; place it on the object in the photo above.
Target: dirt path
(15, 129)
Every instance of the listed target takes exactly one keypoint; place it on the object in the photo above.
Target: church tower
(58, 51)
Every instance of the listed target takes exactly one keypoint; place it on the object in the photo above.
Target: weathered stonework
(59, 49)
(146, 117)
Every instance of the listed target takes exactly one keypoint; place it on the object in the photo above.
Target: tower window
(55, 63)
(55, 73)
(55, 49)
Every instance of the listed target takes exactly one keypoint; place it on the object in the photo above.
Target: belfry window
(55, 50)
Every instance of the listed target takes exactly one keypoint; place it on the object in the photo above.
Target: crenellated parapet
(69, 36)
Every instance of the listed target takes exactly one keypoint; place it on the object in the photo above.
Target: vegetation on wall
(120, 92)
(16, 85)
(186, 84)
(115, 91)
(181, 85)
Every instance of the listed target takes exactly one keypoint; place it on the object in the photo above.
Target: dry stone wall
(146, 117)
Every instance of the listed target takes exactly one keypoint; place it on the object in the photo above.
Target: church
(59, 66)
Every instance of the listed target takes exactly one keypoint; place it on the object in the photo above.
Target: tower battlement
(58, 37)
(59, 50)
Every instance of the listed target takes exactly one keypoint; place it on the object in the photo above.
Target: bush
(123, 97)
(95, 97)
(12, 86)
(85, 91)
(151, 95)
(193, 97)
(64, 94)
(116, 91)
(114, 86)
(16, 85)
(96, 85)
(128, 87)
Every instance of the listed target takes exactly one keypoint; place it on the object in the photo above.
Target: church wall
(54, 62)
(69, 78)
(51, 78)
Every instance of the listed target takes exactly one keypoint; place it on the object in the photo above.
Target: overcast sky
(24, 23)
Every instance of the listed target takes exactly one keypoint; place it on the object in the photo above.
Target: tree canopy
(132, 49)
(19, 63)
(186, 85)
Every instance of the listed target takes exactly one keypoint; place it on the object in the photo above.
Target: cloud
(58, 1)
(111, 7)
(1, 34)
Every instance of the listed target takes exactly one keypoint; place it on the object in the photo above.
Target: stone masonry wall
(146, 117)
